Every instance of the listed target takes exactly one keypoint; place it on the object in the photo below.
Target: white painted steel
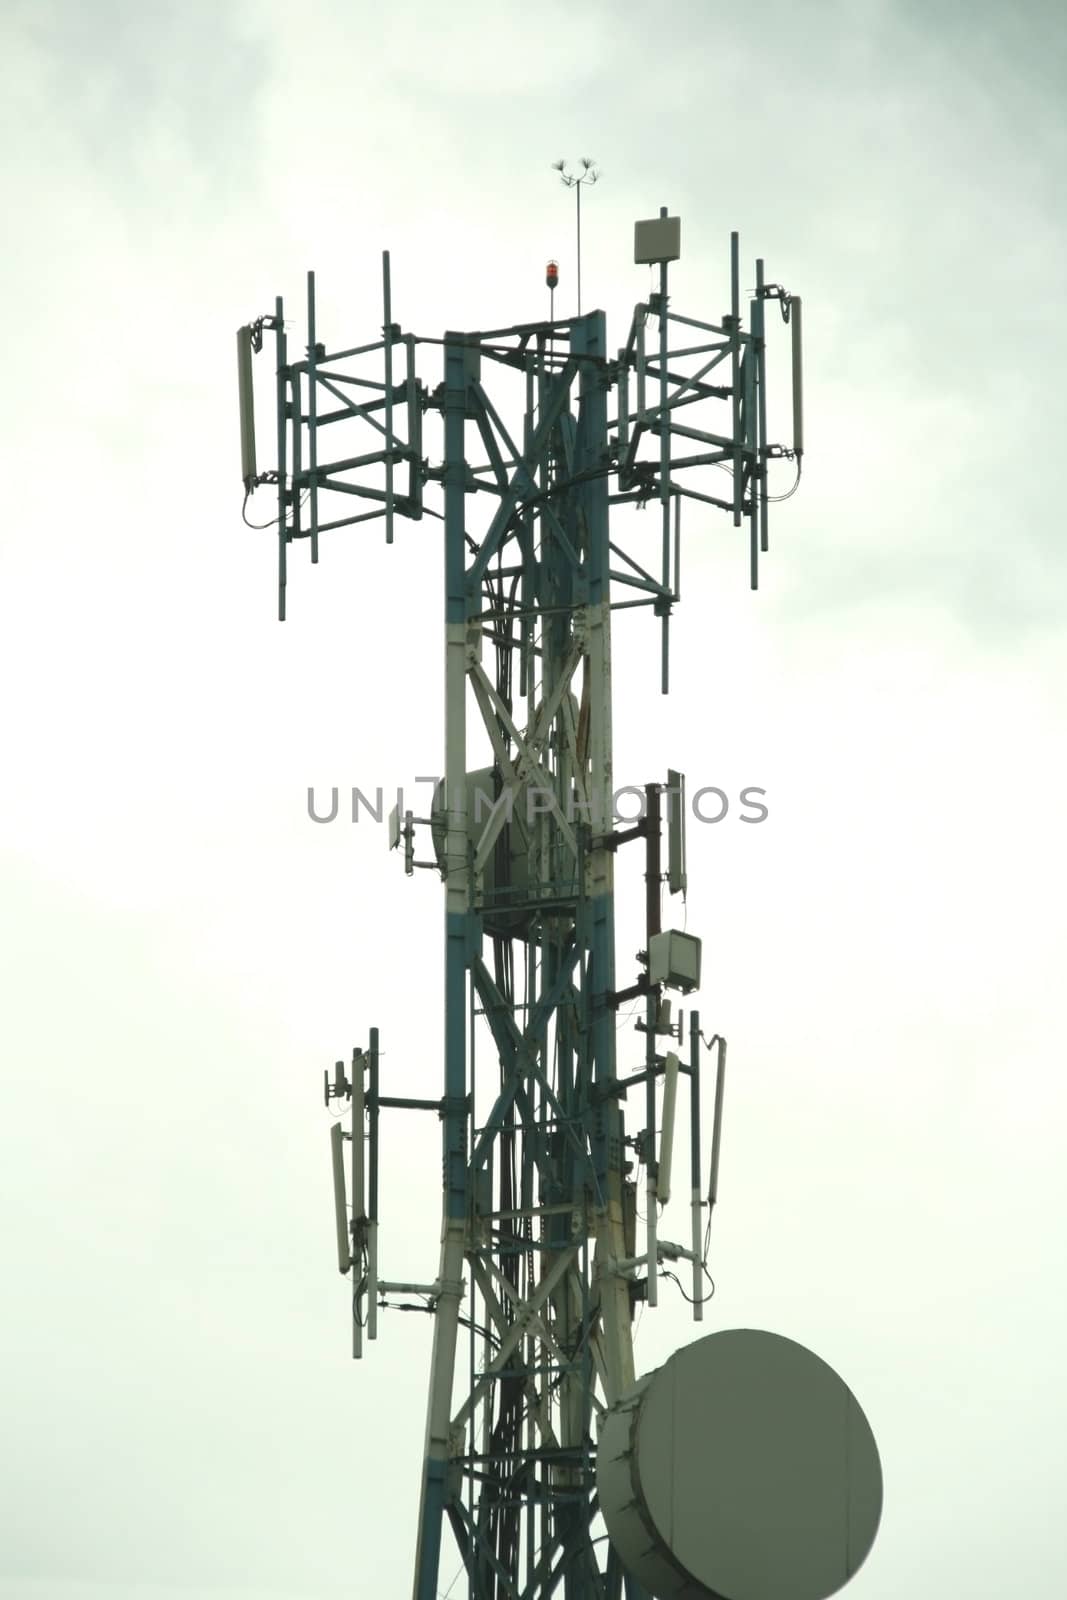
(462, 647)
(613, 1290)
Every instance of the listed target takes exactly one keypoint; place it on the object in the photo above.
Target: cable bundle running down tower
(541, 1264)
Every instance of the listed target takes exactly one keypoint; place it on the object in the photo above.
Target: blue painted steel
(433, 1510)
(457, 929)
(549, 415)
(588, 337)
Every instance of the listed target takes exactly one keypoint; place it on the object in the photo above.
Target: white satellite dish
(742, 1469)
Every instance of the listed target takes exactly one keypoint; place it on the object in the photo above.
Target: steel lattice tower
(540, 1267)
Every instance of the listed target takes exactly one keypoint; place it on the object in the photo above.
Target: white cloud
(186, 951)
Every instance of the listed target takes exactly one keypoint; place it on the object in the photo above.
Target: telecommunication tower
(538, 1431)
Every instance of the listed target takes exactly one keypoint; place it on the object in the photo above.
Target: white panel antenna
(248, 415)
(798, 376)
(658, 239)
(677, 881)
(340, 1205)
(666, 1140)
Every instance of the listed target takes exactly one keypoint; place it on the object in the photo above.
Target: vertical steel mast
(540, 1269)
(534, 1173)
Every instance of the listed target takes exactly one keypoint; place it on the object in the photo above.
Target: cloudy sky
(184, 952)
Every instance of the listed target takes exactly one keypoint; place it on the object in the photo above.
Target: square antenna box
(659, 239)
(674, 960)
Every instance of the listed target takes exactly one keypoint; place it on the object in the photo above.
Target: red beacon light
(552, 275)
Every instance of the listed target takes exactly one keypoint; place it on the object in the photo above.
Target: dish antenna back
(742, 1469)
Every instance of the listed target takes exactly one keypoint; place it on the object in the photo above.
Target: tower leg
(458, 944)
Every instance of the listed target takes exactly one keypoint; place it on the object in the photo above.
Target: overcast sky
(184, 952)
